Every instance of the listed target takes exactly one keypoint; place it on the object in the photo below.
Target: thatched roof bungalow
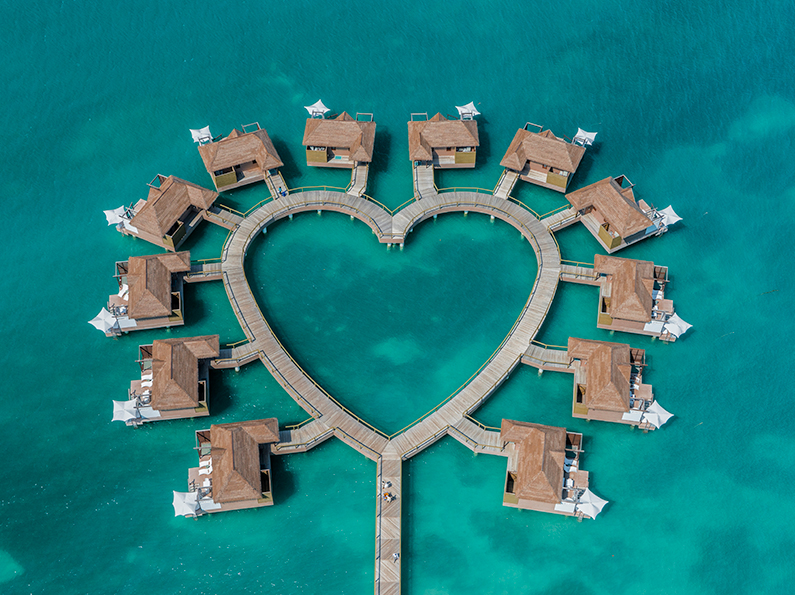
(241, 158)
(610, 212)
(631, 295)
(170, 213)
(444, 143)
(541, 158)
(174, 381)
(234, 464)
(150, 292)
(608, 382)
(543, 472)
(339, 142)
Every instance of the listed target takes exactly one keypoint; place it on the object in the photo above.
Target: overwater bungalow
(608, 382)
(339, 142)
(443, 143)
(544, 471)
(174, 382)
(234, 469)
(170, 213)
(244, 157)
(150, 293)
(632, 296)
(610, 212)
(540, 157)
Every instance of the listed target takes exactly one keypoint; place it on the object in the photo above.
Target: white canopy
(126, 322)
(115, 216)
(656, 415)
(632, 415)
(584, 138)
(316, 109)
(590, 504)
(208, 504)
(202, 135)
(468, 111)
(676, 326)
(129, 227)
(104, 321)
(185, 503)
(655, 326)
(124, 410)
(669, 216)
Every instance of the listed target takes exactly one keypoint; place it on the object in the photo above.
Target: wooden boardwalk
(204, 271)
(561, 219)
(235, 357)
(507, 181)
(579, 273)
(387, 525)
(302, 438)
(423, 180)
(329, 416)
(358, 185)
(276, 184)
(223, 217)
(547, 358)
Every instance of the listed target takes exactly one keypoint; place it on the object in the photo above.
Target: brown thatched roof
(439, 132)
(540, 452)
(240, 147)
(615, 204)
(632, 285)
(544, 148)
(175, 370)
(149, 280)
(165, 205)
(344, 132)
(235, 458)
(607, 371)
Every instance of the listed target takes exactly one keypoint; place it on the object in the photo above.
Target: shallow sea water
(695, 103)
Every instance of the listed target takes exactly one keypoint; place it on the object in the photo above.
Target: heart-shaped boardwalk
(329, 417)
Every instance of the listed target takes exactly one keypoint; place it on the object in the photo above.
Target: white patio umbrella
(124, 411)
(103, 321)
(676, 326)
(590, 504)
(316, 109)
(669, 216)
(115, 216)
(656, 415)
(202, 135)
(584, 138)
(468, 111)
(185, 503)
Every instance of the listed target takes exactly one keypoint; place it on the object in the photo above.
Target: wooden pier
(388, 509)
(561, 219)
(507, 181)
(329, 417)
(223, 217)
(424, 184)
(204, 271)
(358, 185)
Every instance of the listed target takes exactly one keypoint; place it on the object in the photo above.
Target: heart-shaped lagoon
(390, 333)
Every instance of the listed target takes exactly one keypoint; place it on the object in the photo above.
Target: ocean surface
(694, 102)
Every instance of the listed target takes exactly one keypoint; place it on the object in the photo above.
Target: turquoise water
(694, 103)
